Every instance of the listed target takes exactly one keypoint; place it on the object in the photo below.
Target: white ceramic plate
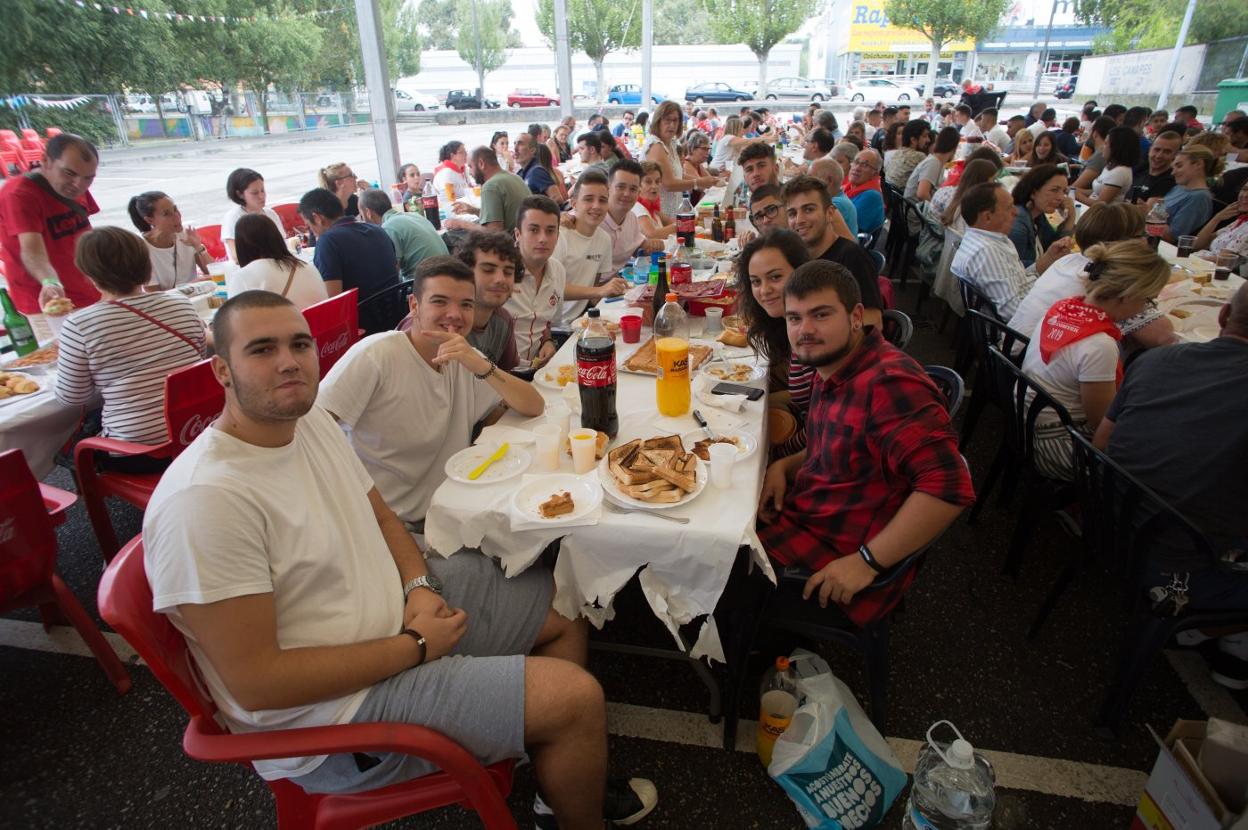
(546, 377)
(1201, 324)
(586, 495)
(611, 488)
(459, 465)
(716, 370)
(45, 384)
(746, 445)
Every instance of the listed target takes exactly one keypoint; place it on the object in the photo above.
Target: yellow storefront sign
(870, 30)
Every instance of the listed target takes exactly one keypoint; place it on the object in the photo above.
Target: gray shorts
(474, 696)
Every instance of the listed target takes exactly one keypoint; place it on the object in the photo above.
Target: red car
(530, 98)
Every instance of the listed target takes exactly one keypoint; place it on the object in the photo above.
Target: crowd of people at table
(292, 554)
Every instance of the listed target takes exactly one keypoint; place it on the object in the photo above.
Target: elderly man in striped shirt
(987, 259)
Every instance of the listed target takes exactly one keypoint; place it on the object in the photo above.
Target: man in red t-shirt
(42, 214)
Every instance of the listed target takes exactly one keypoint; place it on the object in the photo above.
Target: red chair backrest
(8, 136)
(211, 236)
(290, 217)
(52, 132)
(32, 145)
(27, 540)
(193, 400)
(31, 135)
(335, 323)
(125, 602)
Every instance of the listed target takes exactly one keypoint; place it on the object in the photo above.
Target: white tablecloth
(1198, 305)
(37, 424)
(683, 568)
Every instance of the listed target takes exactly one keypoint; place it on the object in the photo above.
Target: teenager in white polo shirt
(537, 300)
(585, 249)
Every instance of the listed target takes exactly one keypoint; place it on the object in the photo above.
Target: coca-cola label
(332, 347)
(1155, 228)
(194, 426)
(729, 232)
(595, 373)
(429, 202)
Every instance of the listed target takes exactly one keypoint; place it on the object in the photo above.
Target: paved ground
(76, 755)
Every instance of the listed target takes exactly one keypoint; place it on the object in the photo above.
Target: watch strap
(869, 558)
(419, 582)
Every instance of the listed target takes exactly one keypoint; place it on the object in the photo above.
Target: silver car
(797, 89)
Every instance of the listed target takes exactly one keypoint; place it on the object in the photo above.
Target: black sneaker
(626, 802)
(1229, 671)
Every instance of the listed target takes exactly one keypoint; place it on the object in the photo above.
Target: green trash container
(1232, 95)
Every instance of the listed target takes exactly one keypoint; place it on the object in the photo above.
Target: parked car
(462, 99)
(412, 100)
(832, 84)
(1067, 87)
(630, 95)
(880, 89)
(944, 89)
(530, 98)
(715, 91)
(797, 89)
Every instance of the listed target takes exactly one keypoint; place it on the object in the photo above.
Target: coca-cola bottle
(686, 222)
(595, 376)
(429, 200)
(1155, 224)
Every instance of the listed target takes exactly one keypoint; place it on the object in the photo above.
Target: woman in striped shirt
(765, 265)
(121, 348)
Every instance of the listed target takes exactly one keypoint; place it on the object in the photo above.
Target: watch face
(434, 583)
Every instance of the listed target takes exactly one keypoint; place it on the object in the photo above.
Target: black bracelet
(865, 553)
(486, 374)
(420, 641)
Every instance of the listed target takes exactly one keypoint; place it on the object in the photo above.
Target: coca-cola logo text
(595, 373)
(194, 426)
(332, 347)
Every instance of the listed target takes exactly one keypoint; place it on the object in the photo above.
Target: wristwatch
(427, 581)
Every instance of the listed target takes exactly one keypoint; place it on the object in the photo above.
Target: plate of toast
(558, 498)
(645, 360)
(652, 474)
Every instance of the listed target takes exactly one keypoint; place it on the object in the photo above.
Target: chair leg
(108, 659)
(97, 512)
(944, 319)
(1013, 472)
(994, 472)
(874, 639)
(973, 410)
(1144, 639)
(1055, 593)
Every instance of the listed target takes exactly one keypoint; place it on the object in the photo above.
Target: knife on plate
(697, 416)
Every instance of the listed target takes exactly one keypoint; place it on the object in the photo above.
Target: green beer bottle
(18, 327)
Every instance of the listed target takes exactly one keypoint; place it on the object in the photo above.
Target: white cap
(961, 754)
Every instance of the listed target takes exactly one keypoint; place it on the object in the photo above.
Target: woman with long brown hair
(268, 265)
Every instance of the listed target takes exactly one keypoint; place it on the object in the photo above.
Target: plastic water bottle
(953, 787)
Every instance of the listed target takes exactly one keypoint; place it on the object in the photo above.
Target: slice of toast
(664, 442)
(559, 504)
(685, 481)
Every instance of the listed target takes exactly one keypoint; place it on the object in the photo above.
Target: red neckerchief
(1071, 320)
(852, 190)
(954, 174)
(449, 165)
(652, 207)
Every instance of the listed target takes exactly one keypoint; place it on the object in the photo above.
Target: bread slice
(559, 504)
(664, 442)
(687, 482)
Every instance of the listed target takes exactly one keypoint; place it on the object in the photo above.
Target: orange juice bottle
(671, 346)
(450, 192)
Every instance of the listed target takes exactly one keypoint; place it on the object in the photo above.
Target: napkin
(702, 386)
(498, 434)
(521, 521)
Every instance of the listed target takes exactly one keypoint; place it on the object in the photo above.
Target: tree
(682, 22)
(595, 27)
(484, 35)
(436, 20)
(277, 53)
(759, 24)
(944, 21)
(1137, 24)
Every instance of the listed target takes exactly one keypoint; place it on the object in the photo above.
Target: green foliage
(759, 24)
(682, 22)
(595, 27)
(1154, 24)
(943, 21)
(496, 33)
(89, 121)
(436, 22)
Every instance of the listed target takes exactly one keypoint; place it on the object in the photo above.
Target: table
(683, 569)
(37, 424)
(1197, 305)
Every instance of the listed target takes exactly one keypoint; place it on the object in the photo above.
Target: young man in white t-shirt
(305, 602)
(537, 300)
(412, 398)
(585, 249)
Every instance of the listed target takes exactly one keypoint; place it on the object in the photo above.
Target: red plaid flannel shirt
(877, 431)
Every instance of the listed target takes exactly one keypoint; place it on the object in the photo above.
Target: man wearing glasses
(863, 189)
(766, 210)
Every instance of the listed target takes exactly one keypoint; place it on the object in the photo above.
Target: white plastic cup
(548, 443)
(723, 456)
(584, 442)
(559, 414)
(714, 321)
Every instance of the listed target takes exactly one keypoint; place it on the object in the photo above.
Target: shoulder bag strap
(149, 318)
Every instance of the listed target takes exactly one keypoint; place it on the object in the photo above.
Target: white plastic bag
(832, 761)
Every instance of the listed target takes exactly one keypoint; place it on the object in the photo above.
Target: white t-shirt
(1090, 360)
(998, 136)
(232, 519)
(455, 179)
(406, 417)
(724, 155)
(587, 262)
(1064, 278)
(172, 266)
(307, 288)
(1119, 177)
(237, 212)
(1038, 127)
(535, 310)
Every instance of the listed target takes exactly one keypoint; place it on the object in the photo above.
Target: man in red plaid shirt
(881, 475)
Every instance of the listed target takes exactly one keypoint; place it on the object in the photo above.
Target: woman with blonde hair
(1074, 353)
(1189, 204)
(728, 146)
(666, 127)
(339, 180)
(558, 143)
(1024, 143)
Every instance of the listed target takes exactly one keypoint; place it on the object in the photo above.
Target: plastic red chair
(289, 214)
(29, 512)
(32, 151)
(31, 135)
(335, 325)
(8, 135)
(211, 237)
(11, 155)
(193, 400)
(52, 132)
(125, 600)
